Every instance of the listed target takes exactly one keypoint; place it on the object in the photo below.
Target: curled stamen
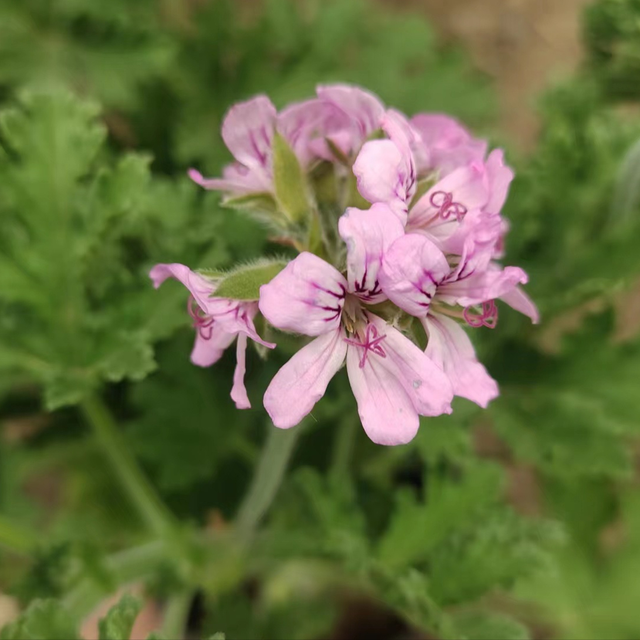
(202, 322)
(443, 201)
(371, 343)
(488, 317)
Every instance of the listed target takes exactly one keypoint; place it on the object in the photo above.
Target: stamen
(443, 201)
(371, 343)
(487, 318)
(202, 322)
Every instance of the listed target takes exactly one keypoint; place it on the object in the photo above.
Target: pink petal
(306, 297)
(306, 124)
(450, 348)
(239, 391)
(412, 269)
(386, 410)
(363, 109)
(236, 316)
(500, 177)
(208, 352)
(199, 287)
(380, 169)
(423, 381)
(517, 299)
(368, 235)
(301, 382)
(482, 286)
(247, 130)
(450, 144)
(467, 187)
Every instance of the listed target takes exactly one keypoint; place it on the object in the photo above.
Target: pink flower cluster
(423, 257)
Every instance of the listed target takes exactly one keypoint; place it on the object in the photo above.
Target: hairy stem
(15, 537)
(143, 496)
(268, 476)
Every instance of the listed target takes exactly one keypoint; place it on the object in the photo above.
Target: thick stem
(176, 616)
(268, 476)
(151, 509)
(343, 447)
(16, 538)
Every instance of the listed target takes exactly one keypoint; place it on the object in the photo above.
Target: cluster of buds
(398, 228)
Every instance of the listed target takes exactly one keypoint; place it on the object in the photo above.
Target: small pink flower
(343, 114)
(392, 379)
(417, 277)
(217, 321)
(464, 203)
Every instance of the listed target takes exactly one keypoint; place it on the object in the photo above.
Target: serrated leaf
(417, 527)
(130, 357)
(244, 283)
(119, 621)
(292, 192)
(43, 620)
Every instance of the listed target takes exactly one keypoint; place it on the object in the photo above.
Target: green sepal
(290, 182)
(244, 283)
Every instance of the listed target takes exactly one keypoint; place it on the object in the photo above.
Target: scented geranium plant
(399, 230)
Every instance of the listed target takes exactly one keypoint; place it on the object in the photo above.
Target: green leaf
(489, 626)
(244, 283)
(292, 192)
(43, 620)
(119, 621)
(417, 528)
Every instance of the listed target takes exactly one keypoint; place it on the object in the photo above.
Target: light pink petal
(500, 177)
(380, 170)
(517, 299)
(450, 144)
(237, 180)
(386, 410)
(247, 130)
(423, 381)
(239, 391)
(236, 316)
(199, 287)
(482, 286)
(306, 125)
(368, 235)
(412, 269)
(208, 351)
(450, 348)
(363, 110)
(478, 230)
(306, 297)
(303, 380)
(465, 189)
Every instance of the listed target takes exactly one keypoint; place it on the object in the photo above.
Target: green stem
(176, 614)
(268, 476)
(343, 447)
(152, 510)
(15, 537)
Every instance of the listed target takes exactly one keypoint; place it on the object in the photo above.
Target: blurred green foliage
(104, 106)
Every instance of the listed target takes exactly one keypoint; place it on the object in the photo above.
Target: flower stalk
(136, 485)
(267, 479)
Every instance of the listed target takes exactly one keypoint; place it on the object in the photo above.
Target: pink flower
(217, 321)
(392, 379)
(464, 203)
(417, 277)
(342, 114)
(247, 130)
(449, 144)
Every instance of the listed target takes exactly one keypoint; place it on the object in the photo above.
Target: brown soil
(523, 44)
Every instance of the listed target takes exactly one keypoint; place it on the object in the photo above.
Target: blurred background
(131, 488)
